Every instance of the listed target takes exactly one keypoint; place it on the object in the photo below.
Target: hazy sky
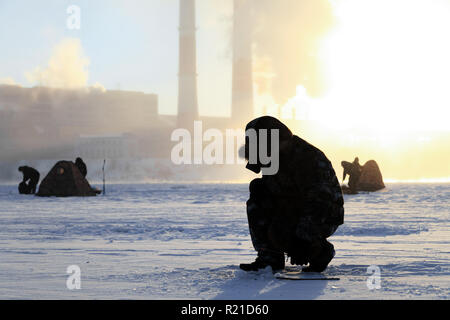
(131, 45)
(386, 58)
(379, 69)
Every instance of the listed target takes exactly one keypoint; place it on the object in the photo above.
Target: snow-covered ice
(185, 241)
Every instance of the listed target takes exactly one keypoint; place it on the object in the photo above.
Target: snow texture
(185, 241)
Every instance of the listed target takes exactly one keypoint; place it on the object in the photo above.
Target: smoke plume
(287, 34)
(66, 68)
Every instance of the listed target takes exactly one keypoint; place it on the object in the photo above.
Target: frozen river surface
(177, 241)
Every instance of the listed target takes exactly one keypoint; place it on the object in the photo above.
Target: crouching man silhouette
(296, 209)
(30, 180)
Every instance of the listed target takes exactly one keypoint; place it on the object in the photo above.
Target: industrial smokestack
(187, 77)
(242, 87)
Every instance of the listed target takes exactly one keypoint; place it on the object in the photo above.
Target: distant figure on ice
(81, 166)
(356, 163)
(295, 210)
(362, 178)
(353, 170)
(30, 180)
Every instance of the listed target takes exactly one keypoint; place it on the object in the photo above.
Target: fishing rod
(103, 169)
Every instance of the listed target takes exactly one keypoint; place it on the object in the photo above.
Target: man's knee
(328, 230)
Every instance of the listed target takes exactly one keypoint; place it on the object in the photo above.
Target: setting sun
(387, 64)
(385, 71)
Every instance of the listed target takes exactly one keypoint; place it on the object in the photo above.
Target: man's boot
(265, 259)
(320, 257)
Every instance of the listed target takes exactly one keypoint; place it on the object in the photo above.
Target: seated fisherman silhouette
(81, 166)
(296, 209)
(353, 170)
(29, 181)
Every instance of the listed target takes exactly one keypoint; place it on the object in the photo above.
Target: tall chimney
(187, 77)
(242, 87)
